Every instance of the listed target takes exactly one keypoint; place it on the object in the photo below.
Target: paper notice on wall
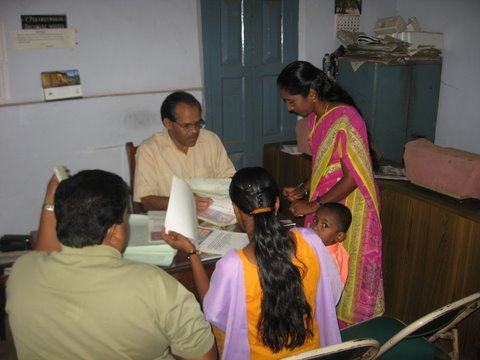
(4, 83)
(44, 38)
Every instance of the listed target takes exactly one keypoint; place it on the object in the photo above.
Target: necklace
(325, 108)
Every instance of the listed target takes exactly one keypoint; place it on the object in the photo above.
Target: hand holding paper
(181, 211)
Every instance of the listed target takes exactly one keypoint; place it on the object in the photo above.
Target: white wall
(153, 46)
(141, 49)
(458, 120)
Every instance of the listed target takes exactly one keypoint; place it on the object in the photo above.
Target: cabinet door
(381, 92)
(422, 111)
(399, 102)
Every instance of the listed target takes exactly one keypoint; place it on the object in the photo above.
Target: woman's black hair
(299, 77)
(286, 316)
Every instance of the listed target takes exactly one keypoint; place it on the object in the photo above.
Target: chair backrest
(131, 149)
(436, 323)
(357, 349)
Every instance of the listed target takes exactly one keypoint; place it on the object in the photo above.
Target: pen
(300, 186)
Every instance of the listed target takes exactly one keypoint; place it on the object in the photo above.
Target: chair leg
(3, 321)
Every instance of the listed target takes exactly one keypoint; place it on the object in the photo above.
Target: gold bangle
(194, 252)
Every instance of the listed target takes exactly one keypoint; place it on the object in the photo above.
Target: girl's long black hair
(286, 316)
(299, 77)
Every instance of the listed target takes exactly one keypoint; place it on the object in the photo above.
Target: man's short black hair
(87, 204)
(178, 97)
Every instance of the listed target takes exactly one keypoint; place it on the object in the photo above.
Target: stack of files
(141, 247)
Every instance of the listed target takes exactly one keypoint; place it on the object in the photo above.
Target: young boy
(331, 223)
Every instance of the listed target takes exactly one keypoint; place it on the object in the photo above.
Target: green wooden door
(246, 43)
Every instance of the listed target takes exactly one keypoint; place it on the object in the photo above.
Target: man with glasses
(183, 149)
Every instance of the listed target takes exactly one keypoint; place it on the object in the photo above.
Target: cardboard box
(421, 38)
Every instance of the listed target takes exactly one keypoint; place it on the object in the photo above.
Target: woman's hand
(303, 207)
(177, 241)
(294, 193)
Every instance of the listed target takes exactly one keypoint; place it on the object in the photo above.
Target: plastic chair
(415, 341)
(137, 208)
(357, 349)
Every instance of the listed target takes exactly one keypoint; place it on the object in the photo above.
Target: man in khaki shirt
(80, 299)
(183, 149)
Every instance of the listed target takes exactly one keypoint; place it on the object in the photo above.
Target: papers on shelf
(290, 149)
(219, 242)
(391, 173)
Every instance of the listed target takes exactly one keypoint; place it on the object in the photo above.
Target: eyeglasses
(200, 124)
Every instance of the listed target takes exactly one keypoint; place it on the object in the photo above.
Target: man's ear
(113, 239)
(167, 123)
(341, 235)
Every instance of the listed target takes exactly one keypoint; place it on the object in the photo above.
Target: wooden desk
(182, 271)
(431, 249)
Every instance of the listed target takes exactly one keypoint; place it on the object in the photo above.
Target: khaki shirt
(90, 303)
(158, 159)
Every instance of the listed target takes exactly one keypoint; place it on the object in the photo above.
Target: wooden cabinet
(431, 246)
(431, 255)
(398, 100)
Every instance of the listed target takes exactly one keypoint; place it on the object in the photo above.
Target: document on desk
(141, 247)
(219, 242)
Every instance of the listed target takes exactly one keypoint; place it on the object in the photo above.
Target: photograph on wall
(61, 84)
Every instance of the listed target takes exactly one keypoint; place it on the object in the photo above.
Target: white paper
(140, 246)
(138, 230)
(156, 220)
(151, 254)
(43, 38)
(210, 187)
(181, 214)
(220, 242)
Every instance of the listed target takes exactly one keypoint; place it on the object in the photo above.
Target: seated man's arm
(47, 235)
(153, 202)
(146, 186)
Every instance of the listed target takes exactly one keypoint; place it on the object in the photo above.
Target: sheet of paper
(161, 255)
(181, 214)
(138, 230)
(210, 187)
(43, 38)
(220, 242)
(156, 220)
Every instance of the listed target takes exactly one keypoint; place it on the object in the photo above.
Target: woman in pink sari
(341, 172)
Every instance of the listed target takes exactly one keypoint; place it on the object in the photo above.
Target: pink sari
(341, 136)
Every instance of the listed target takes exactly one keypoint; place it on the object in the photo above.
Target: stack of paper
(141, 247)
(182, 218)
